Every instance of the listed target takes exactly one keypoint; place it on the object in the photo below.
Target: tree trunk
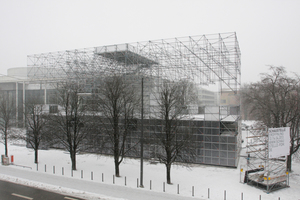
(5, 141)
(168, 166)
(117, 169)
(36, 156)
(116, 146)
(73, 160)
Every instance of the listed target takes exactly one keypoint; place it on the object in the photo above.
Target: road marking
(24, 197)
(70, 198)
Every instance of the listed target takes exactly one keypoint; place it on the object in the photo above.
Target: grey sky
(268, 30)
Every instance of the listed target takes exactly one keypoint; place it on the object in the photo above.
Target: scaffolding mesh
(210, 63)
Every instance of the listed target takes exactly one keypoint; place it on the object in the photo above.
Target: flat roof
(123, 54)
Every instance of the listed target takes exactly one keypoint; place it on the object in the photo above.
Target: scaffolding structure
(210, 61)
(262, 171)
(205, 59)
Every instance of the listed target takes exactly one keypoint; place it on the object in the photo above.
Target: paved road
(12, 191)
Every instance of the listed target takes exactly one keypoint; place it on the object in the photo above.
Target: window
(53, 109)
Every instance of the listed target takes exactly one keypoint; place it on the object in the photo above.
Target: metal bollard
(193, 191)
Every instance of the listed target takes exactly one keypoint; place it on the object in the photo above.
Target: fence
(134, 183)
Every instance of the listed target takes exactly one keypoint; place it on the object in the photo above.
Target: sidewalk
(81, 188)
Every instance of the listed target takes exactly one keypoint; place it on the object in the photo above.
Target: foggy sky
(268, 31)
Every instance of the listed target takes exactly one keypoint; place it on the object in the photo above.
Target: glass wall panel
(207, 160)
(207, 146)
(231, 147)
(215, 146)
(223, 147)
(208, 153)
(223, 154)
(215, 153)
(231, 139)
(200, 137)
(223, 139)
(231, 162)
(207, 138)
(215, 161)
(215, 131)
(215, 138)
(223, 161)
(231, 154)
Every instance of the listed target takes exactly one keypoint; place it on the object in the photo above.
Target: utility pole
(142, 136)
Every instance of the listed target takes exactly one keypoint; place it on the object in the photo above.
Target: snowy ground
(200, 177)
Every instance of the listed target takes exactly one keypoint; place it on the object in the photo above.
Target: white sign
(279, 142)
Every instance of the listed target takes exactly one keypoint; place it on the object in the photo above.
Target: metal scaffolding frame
(209, 61)
(205, 59)
(262, 171)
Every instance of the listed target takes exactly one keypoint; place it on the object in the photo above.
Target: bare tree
(275, 100)
(69, 126)
(117, 102)
(7, 111)
(36, 121)
(173, 99)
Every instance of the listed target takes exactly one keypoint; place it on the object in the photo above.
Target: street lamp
(142, 136)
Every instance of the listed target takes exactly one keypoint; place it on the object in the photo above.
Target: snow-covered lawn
(200, 177)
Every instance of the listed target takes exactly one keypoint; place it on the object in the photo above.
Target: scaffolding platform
(263, 172)
(269, 184)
